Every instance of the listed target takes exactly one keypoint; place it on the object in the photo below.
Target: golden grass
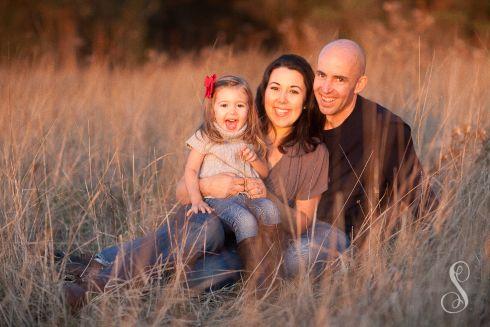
(90, 157)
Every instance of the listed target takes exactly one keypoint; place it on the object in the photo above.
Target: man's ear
(361, 84)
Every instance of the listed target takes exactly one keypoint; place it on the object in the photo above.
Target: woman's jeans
(199, 241)
(180, 239)
(242, 215)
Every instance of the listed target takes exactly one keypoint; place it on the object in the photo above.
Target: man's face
(336, 82)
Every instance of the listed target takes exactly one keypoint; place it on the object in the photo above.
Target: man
(373, 164)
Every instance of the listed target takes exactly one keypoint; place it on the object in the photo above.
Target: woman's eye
(274, 88)
(294, 91)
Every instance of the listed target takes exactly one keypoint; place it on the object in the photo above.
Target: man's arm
(405, 175)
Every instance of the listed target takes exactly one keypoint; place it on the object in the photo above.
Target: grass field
(90, 156)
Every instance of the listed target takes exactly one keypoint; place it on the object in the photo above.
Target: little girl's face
(231, 108)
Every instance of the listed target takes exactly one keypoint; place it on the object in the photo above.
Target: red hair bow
(209, 84)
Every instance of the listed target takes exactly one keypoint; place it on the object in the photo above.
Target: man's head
(338, 79)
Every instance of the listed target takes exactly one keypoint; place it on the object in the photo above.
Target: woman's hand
(222, 185)
(199, 206)
(255, 188)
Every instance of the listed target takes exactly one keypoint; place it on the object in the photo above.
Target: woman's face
(284, 97)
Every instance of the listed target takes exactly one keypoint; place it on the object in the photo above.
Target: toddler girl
(230, 141)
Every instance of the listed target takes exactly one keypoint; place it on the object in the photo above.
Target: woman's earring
(304, 107)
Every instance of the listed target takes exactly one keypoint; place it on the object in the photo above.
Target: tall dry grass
(90, 157)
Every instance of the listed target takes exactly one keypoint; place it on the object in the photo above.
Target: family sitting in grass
(277, 185)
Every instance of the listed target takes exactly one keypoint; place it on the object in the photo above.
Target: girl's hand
(248, 155)
(200, 206)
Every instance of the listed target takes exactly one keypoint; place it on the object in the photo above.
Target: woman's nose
(283, 98)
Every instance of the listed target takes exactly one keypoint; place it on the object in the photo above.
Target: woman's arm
(305, 213)
(299, 219)
(217, 186)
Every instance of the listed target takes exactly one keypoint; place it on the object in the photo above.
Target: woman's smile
(282, 112)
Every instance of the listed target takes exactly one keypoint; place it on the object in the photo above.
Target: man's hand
(255, 188)
(199, 206)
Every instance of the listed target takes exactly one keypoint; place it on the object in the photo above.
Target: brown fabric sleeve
(314, 174)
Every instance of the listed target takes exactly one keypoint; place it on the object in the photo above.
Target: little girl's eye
(223, 105)
(241, 105)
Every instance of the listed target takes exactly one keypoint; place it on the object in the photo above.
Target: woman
(298, 176)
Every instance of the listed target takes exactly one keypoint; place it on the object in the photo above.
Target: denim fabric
(307, 254)
(191, 238)
(203, 235)
(242, 214)
(320, 243)
(215, 271)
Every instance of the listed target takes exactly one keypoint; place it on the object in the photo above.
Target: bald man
(373, 164)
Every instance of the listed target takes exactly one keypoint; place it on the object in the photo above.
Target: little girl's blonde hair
(253, 134)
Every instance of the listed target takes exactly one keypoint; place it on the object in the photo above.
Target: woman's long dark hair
(307, 129)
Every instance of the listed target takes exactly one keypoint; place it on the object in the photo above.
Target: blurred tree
(192, 24)
(122, 31)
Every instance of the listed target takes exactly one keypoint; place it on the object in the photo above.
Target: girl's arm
(261, 168)
(191, 178)
(258, 164)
